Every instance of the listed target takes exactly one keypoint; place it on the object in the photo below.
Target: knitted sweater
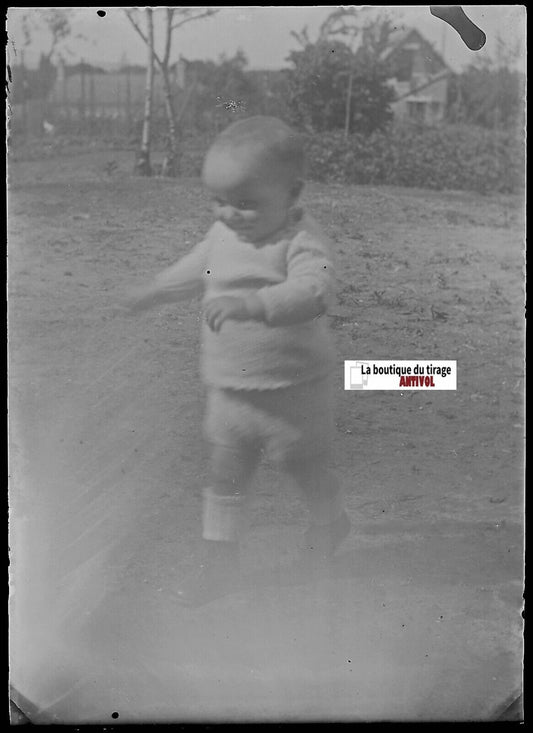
(294, 278)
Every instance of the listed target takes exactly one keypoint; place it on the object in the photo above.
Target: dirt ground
(420, 619)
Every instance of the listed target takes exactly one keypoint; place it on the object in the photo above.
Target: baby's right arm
(178, 282)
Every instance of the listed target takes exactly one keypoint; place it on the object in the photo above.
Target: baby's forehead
(247, 162)
(246, 152)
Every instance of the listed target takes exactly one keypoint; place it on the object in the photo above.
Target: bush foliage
(460, 157)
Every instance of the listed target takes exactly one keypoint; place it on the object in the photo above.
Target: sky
(262, 32)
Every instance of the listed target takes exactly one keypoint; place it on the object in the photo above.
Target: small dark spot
(102, 14)
(324, 267)
(114, 715)
(332, 50)
(208, 272)
(349, 661)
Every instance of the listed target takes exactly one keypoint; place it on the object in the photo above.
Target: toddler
(266, 275)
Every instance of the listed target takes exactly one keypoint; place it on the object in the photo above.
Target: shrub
(446, 156)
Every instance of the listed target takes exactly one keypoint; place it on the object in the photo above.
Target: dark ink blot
(455, 16)
(9, 73)
(102, 14)
(114, 715)
(208, 272)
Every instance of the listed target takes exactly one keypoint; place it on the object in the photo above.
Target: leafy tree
(487, 97)
(55, 22)
(54, 26)
(358, 26)
(491, 92)
(324, 75)
(223, 90)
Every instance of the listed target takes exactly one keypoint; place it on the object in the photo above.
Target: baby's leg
(324, 496)
(224, 523)
(232, 469)
(320, 488)
(224, 515)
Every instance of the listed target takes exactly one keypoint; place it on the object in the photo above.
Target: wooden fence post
(128, 101)
(91, 102)
(82, 90)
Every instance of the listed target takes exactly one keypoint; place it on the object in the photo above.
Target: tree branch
(143, 36)
(168, 36)
(205, 14)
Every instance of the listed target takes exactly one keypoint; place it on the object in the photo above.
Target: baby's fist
(223, 308)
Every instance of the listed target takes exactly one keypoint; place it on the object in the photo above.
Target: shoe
(322, 540)
(216, 577)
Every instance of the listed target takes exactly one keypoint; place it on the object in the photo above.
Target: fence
(88, 103)
(93, 103)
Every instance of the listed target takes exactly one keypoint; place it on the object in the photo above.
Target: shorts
(290, 424)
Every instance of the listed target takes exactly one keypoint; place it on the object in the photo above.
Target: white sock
(223, 516)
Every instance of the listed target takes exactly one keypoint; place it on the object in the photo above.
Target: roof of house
(399, 38)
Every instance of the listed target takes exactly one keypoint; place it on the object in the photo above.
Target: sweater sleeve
(184, 279)
(309, 287)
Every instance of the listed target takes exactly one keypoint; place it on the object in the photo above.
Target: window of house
(417, 110)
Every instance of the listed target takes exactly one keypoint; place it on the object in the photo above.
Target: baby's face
(250, 200)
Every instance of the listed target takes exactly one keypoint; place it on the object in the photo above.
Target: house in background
(419, 76)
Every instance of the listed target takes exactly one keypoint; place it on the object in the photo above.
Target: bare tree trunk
(348, 106)
(172, 161)
(142, 164)
(171, 164)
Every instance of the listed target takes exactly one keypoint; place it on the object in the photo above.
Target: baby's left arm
(308, 289)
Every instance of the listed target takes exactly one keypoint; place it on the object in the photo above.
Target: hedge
(442, 157)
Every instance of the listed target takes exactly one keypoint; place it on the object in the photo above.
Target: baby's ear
(297, 188)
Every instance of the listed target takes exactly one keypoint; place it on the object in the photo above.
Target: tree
(174, 18)
(357, 25)
(487, 97)
(223, 90)
(54, 26)
(490, 93)
(55, 21)
(330, 87)
(143, 164)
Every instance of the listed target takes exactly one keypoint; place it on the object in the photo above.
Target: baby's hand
(226, 306)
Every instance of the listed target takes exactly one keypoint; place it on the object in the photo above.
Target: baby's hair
(273, 140)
